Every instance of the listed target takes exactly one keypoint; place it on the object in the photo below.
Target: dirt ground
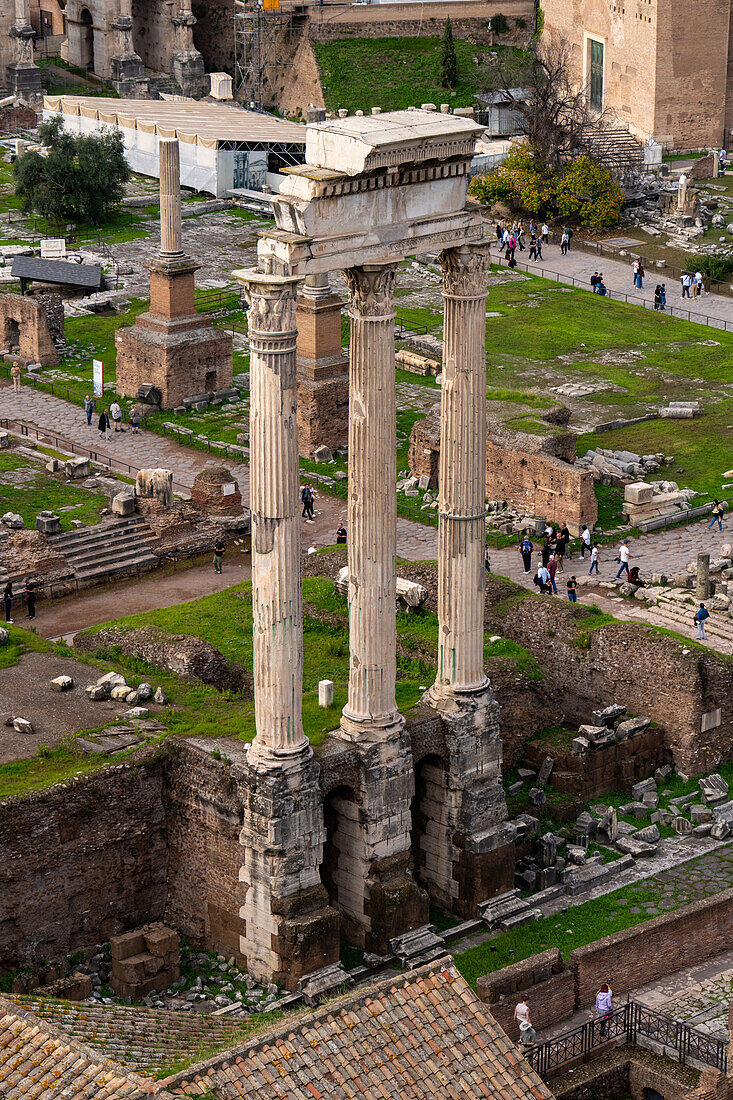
(25, 692)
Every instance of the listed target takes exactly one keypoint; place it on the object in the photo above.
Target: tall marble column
(470, 842)
(462, 476)
(277, 589)
(290, 930)
(371, 708)
(23, 77)
(128, 71)
(170, 197)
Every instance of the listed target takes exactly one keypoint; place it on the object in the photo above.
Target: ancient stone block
(48, 524)
(155, 483)
(62, 683)
(77, 468)
(123, 504)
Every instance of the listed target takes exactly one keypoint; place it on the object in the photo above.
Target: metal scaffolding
(257, 26)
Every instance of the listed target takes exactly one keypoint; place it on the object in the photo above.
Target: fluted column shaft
(277, 592)
(170, 198)
(372, 503)
(462, 476)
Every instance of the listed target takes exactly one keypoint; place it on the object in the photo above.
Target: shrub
(499, 23)
(448, 62)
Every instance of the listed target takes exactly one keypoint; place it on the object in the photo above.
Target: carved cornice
(465, 270)
(371, 289)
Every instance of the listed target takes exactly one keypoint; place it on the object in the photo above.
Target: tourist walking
(593, 560)
(15, 373)
(526, 548)
(561, 547)
(572, 587)
(717, 515)
(8, 601)
(487, 560)
(521, 1012)
(663, 297)
(584, 540)
(341, 534)
(658, 296)
(533, 248)
(700, 616)
(103, 424)
(564, 242)
(640, 277)
(542, 579)
(604, 1006)
(29, 596)
(552, 570)
(699, 283)
(218, 554)
(545, 234)
(594, 282)
(634, 271)
(306, 496)
(116, 413)
(686, 281)
(89, 406)
(135, 420)
(623, 559)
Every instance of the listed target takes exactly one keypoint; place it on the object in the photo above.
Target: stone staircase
(118, 546)
(675, 614)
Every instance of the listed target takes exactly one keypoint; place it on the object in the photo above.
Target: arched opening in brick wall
(432, 847)
(343, 870)
(11, 336)
(86, 40)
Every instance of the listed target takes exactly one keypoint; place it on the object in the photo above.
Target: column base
(370, 846)
(369, 730)
(24, 81)
(189, 70)
(466, 850)
(290, 929)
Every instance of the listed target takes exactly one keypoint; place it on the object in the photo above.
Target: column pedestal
(323, 369)
(187, 65)
(289, 928)
(128, 71)
(481, 853)
(22, 75)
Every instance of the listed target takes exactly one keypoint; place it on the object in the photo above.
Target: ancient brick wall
(81, 862)
(602, 769)
(541, 485)
(630, 663)
(213, 35)
(204, 815)
(24, 325)
(661, 946)
(407, 20)
(544, 983)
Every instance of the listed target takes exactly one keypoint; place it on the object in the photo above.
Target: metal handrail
(628, 1022)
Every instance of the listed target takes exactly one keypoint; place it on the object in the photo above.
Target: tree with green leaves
(78, 177)
(448, 62)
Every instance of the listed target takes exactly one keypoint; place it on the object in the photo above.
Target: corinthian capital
(465, 270)
(271, 305)
(371, 289)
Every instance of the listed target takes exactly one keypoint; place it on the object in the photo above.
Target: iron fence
(631, 1023)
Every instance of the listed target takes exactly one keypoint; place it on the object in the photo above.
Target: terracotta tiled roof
(410, 1038)
(37, 1062)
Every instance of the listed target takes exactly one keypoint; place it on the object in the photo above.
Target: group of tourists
(556, 548)
(597, 284)
(29, 596)
(603, 1010)
(108, 417)
(694, 283)
(511, 237)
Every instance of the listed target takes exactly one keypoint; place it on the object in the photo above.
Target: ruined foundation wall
(213, 35)
(629, 663)
(541, 485)
(81, 861)
(204, 815)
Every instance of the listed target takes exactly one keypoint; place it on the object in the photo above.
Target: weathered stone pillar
(171, 242)
(476, 859)
(703, 576)
(289, 928)
(23, 77)
(323, 380)
(371, 707)
(187, 64)
(377, 895)
(128, 71)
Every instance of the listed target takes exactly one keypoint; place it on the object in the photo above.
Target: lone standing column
(462, 477)
(170, 198)
(372, 503)
(703, 576)
(277, 593)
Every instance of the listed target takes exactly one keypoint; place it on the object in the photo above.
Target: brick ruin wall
(81, 862)
(555, 989)
(631, 664)
(213, 36)
(541, 485)
(408, 21)
(603, 769)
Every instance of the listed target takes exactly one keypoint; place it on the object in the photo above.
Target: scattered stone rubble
(645, 501)
(619, 467)
(409, 594)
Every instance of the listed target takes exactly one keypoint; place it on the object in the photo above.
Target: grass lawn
(393, 73)
(25, 488)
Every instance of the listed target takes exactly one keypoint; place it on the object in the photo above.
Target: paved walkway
(578, 266)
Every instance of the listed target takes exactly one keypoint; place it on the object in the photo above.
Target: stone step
(98, 533)
(518, 919)
(118, 545)
(418, 947)
(681, 621)
(119, 564)
(108, 548)
(502, 907)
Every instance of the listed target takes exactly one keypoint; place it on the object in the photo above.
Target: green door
(596, 75)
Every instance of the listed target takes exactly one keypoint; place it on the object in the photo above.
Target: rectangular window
(595, 68)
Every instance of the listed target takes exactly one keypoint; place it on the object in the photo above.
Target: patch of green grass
(503, 649)
(609, 499)
(43, 771)
(393, 73)
(25, 488)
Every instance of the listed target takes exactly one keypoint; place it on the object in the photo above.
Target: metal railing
(631, 1023)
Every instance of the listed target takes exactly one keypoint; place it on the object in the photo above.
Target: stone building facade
(642, 60)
